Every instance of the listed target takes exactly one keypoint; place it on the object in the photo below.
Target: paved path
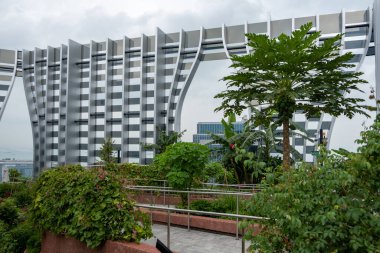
(195, 241)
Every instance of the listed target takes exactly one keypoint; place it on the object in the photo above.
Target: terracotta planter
(52, 243)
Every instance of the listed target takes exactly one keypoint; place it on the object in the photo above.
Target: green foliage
(223, 204)
(6, 189)
(216, 172)
(9, 213)
(334, 207)
(89, 205)
(248, 166)
(23, 198)
(15, 229)
(7, 243)
(107, 153)
(201, 205)
(21, 234)
(141, 174)
(19, 238)
(184, 163)
(253, 168)
(14, 175)
(163, 141)
(291, 73)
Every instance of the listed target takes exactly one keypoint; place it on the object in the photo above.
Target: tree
(331, 207)
(184, 162)
(106, 152)
(14, 175)
(292, 73)
(163, 141)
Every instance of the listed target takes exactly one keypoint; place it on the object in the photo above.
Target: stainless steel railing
(178, 210)
(166, 190)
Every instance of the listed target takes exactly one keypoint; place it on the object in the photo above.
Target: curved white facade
(130, 88)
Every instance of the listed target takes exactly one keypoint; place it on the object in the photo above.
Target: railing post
(151, 203)
(188, 208)
(242, 242)
(164, 192)
(237, 218)
(168, 231)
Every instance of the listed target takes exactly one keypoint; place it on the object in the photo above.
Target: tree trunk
(286, 145)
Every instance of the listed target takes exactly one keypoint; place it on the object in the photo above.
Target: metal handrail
(188, 211)
(191, 192)
(239, 186)
(230, 215)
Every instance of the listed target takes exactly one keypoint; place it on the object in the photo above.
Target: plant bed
(158, 199)
(199, 222)
(62, 244)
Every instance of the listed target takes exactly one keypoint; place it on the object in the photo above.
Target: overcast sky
(38, 23)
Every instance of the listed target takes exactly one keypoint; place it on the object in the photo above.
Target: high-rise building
(130, 88)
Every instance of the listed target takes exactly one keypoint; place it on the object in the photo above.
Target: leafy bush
(184, 162)
(143, 174)
(17, 234)
(201, 205)
(89, 205)
(9, 213)
(224, 204)
(21, 235)
(7, 189)
(33, 245)
(334, 207)
(19, 238)
(14, 175)
(7, 243)
(216, 172)
(23, 198)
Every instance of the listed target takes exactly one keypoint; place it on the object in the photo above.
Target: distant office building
(205, 129)
(24, 167)
(129, 89)
(305, 147)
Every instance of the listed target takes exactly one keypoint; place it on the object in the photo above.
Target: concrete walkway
(195, 241)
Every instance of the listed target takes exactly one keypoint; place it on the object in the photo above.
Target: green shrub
(201, 205)
(7, 243)
(216, 172)
(23, 198)
(33, 245)
(7, 189)
(15, 240)
(14, 175)
(183, 163)
(89, 205)
(21, 235)
(333, 207)
(224, 204)
(9, 213)
(142, 174)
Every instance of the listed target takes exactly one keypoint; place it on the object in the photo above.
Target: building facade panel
(131, 88)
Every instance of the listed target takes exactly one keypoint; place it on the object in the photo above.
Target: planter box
(52, 243)
(199, 222)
